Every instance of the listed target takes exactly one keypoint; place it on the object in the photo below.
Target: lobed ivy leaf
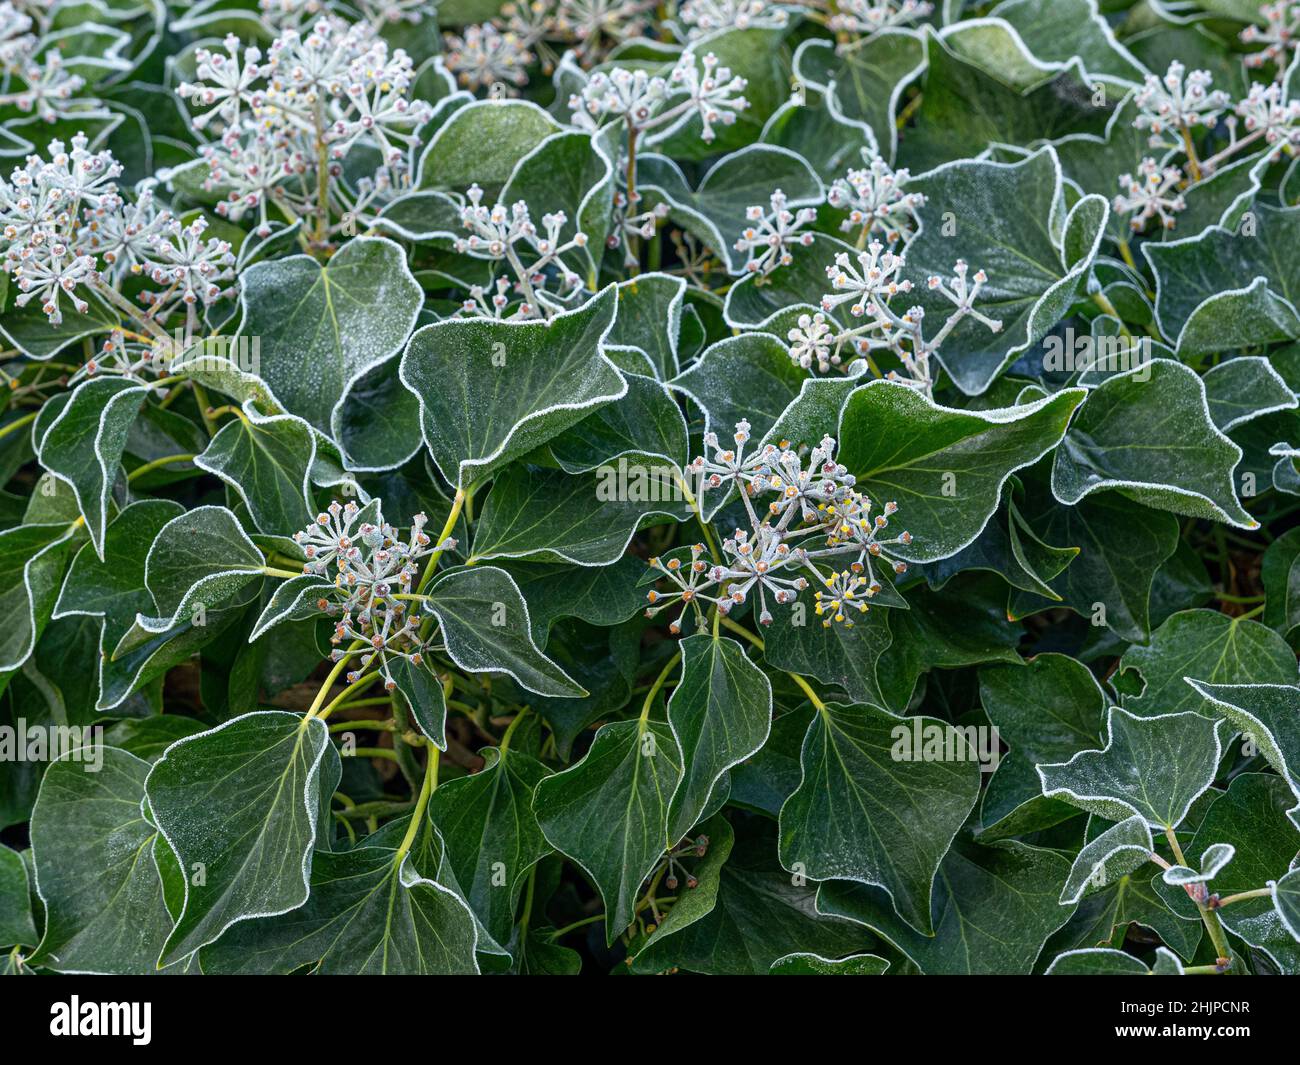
(238, 806)
(874, 807)
(609, 813)
(1153, 767)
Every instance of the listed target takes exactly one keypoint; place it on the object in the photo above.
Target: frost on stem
(771, 233)
(502, 233)
(816, 515)
(66, 231)
(371, 567)
(284, 122)
(867, 287)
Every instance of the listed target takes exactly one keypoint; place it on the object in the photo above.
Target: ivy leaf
(268, 462)
(720, 713)
(757, 915)
(714, 211)
(491, 391)
(424, 697)
(1114, 854)
(601, 595)
(965, 109)
(1122, 546)
(17, 926)
(295, 599)
(846, 657)
(1155, 767)
(485, 625)
(1215, 857)
(1008, 219)
(609, 813)
(585, 518)
(1148, 433)
(814, 965)
(84, 444)
(1209, 647)
(95, 866)
(1058, 30)
(491, 833)
(369, 913)
(872, 808)
(993, 909)
(31, 562)
(1280, 574)
(482, 142)
(1286, 900)
(1046, 710)
(646, 421)
(238, 805)
(773, 382)
(864, 84)
(1104, 961)
(321, 328)
(944, 467)
(649, 322)
(1269, 715)
(198, 559)
(1199, 315)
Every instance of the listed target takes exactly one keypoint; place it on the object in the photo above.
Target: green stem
(660, 681)
(18, 423)
(421, 804)
(157, 464)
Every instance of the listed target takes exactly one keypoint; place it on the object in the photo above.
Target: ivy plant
(715, 487)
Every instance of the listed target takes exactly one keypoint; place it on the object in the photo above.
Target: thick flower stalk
(816, 515)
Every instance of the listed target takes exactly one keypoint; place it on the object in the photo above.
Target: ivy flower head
(1150, 193)
(876, 201)
(1279, 35)
(811, 341)
(485, 56)
(1265, 109)
(872, 16)
(713, 92)
(227, 83)
(875, 279)
(372, 566)
(1180, 100)
(702, 17)
(771, 233)
(634, 95)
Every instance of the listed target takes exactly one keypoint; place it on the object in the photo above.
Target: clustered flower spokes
(1279, 35)
(635, 96)
(771, 234)
(34, 85)
(872, 16)
(816, 514)
(1180, 101)
(1151, 193)
(867, 288)
(68, 232)
(372, 567)
(281, 117)
(702, 17)
(876, 202)
(485, 57)
(501, 233)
